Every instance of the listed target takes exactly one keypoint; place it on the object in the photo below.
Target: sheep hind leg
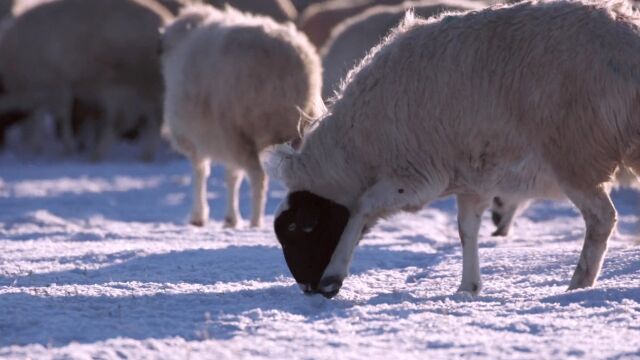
(470, 209)
(233, 179)
(504, 210)
(259, 183)
(200, 210)
(600, 219)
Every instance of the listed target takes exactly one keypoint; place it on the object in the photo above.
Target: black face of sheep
(309, 230)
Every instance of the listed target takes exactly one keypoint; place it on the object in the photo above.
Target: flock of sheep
(510, 102)
(96, 68)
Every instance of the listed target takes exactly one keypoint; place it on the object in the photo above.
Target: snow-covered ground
(96, 261)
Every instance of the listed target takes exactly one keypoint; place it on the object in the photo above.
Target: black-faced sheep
(235, 84)
(475, 105)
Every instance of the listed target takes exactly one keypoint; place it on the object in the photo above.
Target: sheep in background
(234, 85)
(94, 44)
(174, 6)
(319, 19)
(22, 6)
(353, 38)
(301, 5)
(476, 105)
(127, 111)
(280, 10)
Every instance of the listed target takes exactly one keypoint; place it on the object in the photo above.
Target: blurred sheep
(319, 19)
(84, 49)
(280, 10)
(301, 5)
(174, 6)
(235, 84)
(353, 38)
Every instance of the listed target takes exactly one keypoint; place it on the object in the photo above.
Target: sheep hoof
(496, 217)
(581, 279)
(471, 289)
(256, 224)
(198, 223)
(500, 232)
(230, 223)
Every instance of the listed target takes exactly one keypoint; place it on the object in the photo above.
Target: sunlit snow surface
(97, 261)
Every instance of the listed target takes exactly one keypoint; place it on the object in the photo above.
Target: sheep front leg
(470, 209)
(258, 181)
(233, 178)
(200, 210)
(385, 197)
(600, 219)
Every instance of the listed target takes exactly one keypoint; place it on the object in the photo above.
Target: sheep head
(309, 228)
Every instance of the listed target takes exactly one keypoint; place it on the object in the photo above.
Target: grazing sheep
(353, 38)
(475, 104)
(94, 44)
(319, 19)
(234, 85)
(280, 10)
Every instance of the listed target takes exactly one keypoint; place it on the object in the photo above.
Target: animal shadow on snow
(58, 320)
(594, 297)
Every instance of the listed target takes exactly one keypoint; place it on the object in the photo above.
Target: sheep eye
(292, 227)
(308, 229)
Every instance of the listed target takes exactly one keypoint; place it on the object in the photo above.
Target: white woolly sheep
(94, 44)
(476, 105)
(353, 38)
(235, 84)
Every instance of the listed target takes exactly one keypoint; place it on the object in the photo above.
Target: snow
(98, 261)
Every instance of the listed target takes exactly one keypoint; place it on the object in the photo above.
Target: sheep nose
(330, 286)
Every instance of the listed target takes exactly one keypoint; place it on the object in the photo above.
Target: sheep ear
(277, 161)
